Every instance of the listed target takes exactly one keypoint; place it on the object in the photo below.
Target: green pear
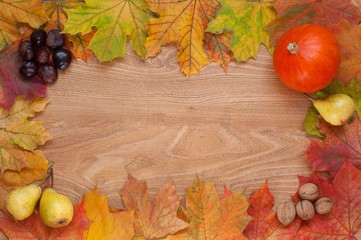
(21, 202)
(56, 210)
(336, 109)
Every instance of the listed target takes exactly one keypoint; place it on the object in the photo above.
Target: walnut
(305, 210)
(286, 212)
(323, 205)
(308, 191)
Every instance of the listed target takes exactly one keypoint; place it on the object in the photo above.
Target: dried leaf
(107, 224)
(217, 46)
(155, 219)
(13, 12)
(33, 227)
(265, 224)
(246, 20)
(344, 221)
(183, 23)
(350, 67)
(211, 217)
(79, 45)
(292, 13)
(115, 21)
(341, 143)
(11, 83)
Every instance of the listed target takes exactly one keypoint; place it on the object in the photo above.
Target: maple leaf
(115, 21)
(292, 13)
(217, 46)
(238, 16)
(350, 67)
(37, 166)
(78, 43)
(106, 224)
(152, 220)
(341, 142)
(13, 12)
(344, 221)
(33, 227)
(211, 217)
(183, 23)
(18, 133)
(265, 224)
(11, 83)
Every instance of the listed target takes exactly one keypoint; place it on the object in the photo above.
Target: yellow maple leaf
(183, 23)
(106, 224)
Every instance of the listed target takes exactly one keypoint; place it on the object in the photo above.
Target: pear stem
(309, 96)
(49, 174)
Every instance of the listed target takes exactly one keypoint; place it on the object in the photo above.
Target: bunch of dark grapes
(44, 54)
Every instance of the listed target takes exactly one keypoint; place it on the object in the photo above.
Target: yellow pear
(336, 109)
(21, 202)
(56, 210)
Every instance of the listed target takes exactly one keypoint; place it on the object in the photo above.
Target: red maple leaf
(292, 13)
(11, 83)
(265, 224)
(33, 227)
(344, 220)
(341, 142)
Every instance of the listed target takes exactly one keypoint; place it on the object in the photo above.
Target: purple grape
(28, 69)
(42, 55)
(26, 50)
(38, 37)
(62, 58)
(48, 73)
(55, 39)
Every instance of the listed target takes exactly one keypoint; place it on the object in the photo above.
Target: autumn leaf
(115, 21)
(183, 23)
(11, 83)
(155, 219)
(265, 224)
(217, 46)
(17, 133)
(33, 227)
(350, 67)
(211, 217)
(13, 12)
(246, 20)
(341, 143)
(78, 43)
(292, 13)
(343, 222)
(106, 224)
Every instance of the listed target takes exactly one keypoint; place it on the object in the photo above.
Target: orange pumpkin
(307, 58)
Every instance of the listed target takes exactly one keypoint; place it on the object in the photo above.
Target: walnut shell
(286, 212)
(305, 210)
(323, 205)
(308, 191)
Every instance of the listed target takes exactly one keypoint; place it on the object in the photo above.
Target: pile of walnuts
(306, 208)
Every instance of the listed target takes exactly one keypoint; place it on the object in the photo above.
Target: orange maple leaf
(107, 224)
(152, 220)
(33, 227)
(217, 46)
(211, 217)
(183, 23)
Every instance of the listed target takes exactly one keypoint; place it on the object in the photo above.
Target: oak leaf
(183, 23)
(217, 46)
(344, 220)
(265, 224)
(292, 13)
(106, 224)
(155, 219)
(11, 83)
(341, 143)
(33, 227)
(13, 12)
(115, 21)
(350, 68)
(18, 134)
(78, 43)
(211, 217)
(247, 21)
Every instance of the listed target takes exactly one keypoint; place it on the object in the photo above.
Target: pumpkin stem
(293, 48)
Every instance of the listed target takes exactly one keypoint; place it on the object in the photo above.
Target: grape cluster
(44, 55)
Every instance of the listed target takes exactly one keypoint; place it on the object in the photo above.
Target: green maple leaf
(247, 21)
(115, 21)
(353, 89)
